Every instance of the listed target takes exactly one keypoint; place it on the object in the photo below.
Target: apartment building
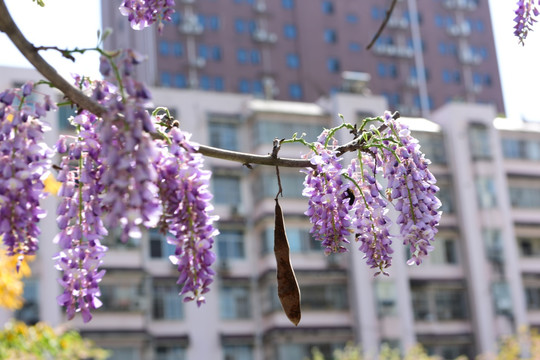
(431, 52)
(481, 282)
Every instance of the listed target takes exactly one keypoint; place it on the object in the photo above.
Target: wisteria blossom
(526, 13)
(143, 13)
(24, 163)
(412, 186)
(79, 221)
(184, 191)
(328, 209)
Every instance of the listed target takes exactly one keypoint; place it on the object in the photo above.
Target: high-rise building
(481, 282)
(430, 53)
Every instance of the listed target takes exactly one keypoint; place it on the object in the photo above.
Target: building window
(178, 49)
(387, 70)
(243, 86)
(169, 353)
(333, 65)
(486, 192)
(238, 352)
(493, 244)
(257, 87)
(165, 78)
(205, 82)
(354, 46)
(242, 56)
(444, 253)
(324, 297)
(377, 13)
(435, 303)
(385, 294)
(202, 51)
(451, 76)
(226, 189)
(330, 36)
(121, 297)
(255, 57)
(289, 30)
(287, 4)
(159, 247)
(300, 241)
(223, 134)
(240, 26)
(163, 48)
(216, 53)
(166, 303)
(295, 91)
(180, 81)
(64, 114)
(351, 18)
(327, 7)
(219, 84)
(526, 197)
(234, 302)
(230, 244)
(293, 61)
(213, 22)
(29, 312)
(479, 141)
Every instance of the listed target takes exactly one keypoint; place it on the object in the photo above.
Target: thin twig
(383, 25)
(8, 26)
(280, 189)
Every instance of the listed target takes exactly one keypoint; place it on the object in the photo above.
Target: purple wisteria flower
(24, 164)
(370, 221)
(81, 227)
(525, 18)
(143, 13)
(128, 153)
(412, 186)
(184, 192)
(328, 208)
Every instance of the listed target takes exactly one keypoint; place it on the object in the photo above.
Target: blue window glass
(252, 26)
(417, 102)
(351, 18)
(287, 4)
(451, 49)
(479, 26)
(442, 48)
(203, 51)
(376, 13)
(165, 78)
(487, 80)
(446, 76)
(330, 36)
(243, 86)
(255, 57)
(333, 65)
(240, 26)
(381, 70)
(293, 61)
(257, 87)
(216, 53)
(392, 71)
(205, 82)
(175, 18)
(163, 48)
(295, 91)
(214, 22)
(218, 83)
(242, 56)
(412, 72)
(202, 20)
(354, 46)
(477, 79)
(327, 7)
(439, 21)
(289, 30)
(180, 81)
(178, 49)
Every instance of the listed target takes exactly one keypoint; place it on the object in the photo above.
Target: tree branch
(383, 25)
(8, 26)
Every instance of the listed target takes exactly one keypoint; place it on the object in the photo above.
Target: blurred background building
(430, 53)
(238, 74)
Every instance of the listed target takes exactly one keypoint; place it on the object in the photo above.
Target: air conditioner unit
(260, 7)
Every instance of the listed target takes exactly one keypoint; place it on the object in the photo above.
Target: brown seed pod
(288, 290)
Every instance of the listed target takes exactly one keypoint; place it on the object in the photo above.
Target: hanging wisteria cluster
(127, 169)
(347, 200)
(526, 13)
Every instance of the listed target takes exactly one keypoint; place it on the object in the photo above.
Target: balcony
(467, 57)
(398, 23)
(461, 4)
(191, 25)
(394, 50)
(263, 36)
(460, 29)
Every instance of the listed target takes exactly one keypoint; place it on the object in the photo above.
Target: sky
(74, 23)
